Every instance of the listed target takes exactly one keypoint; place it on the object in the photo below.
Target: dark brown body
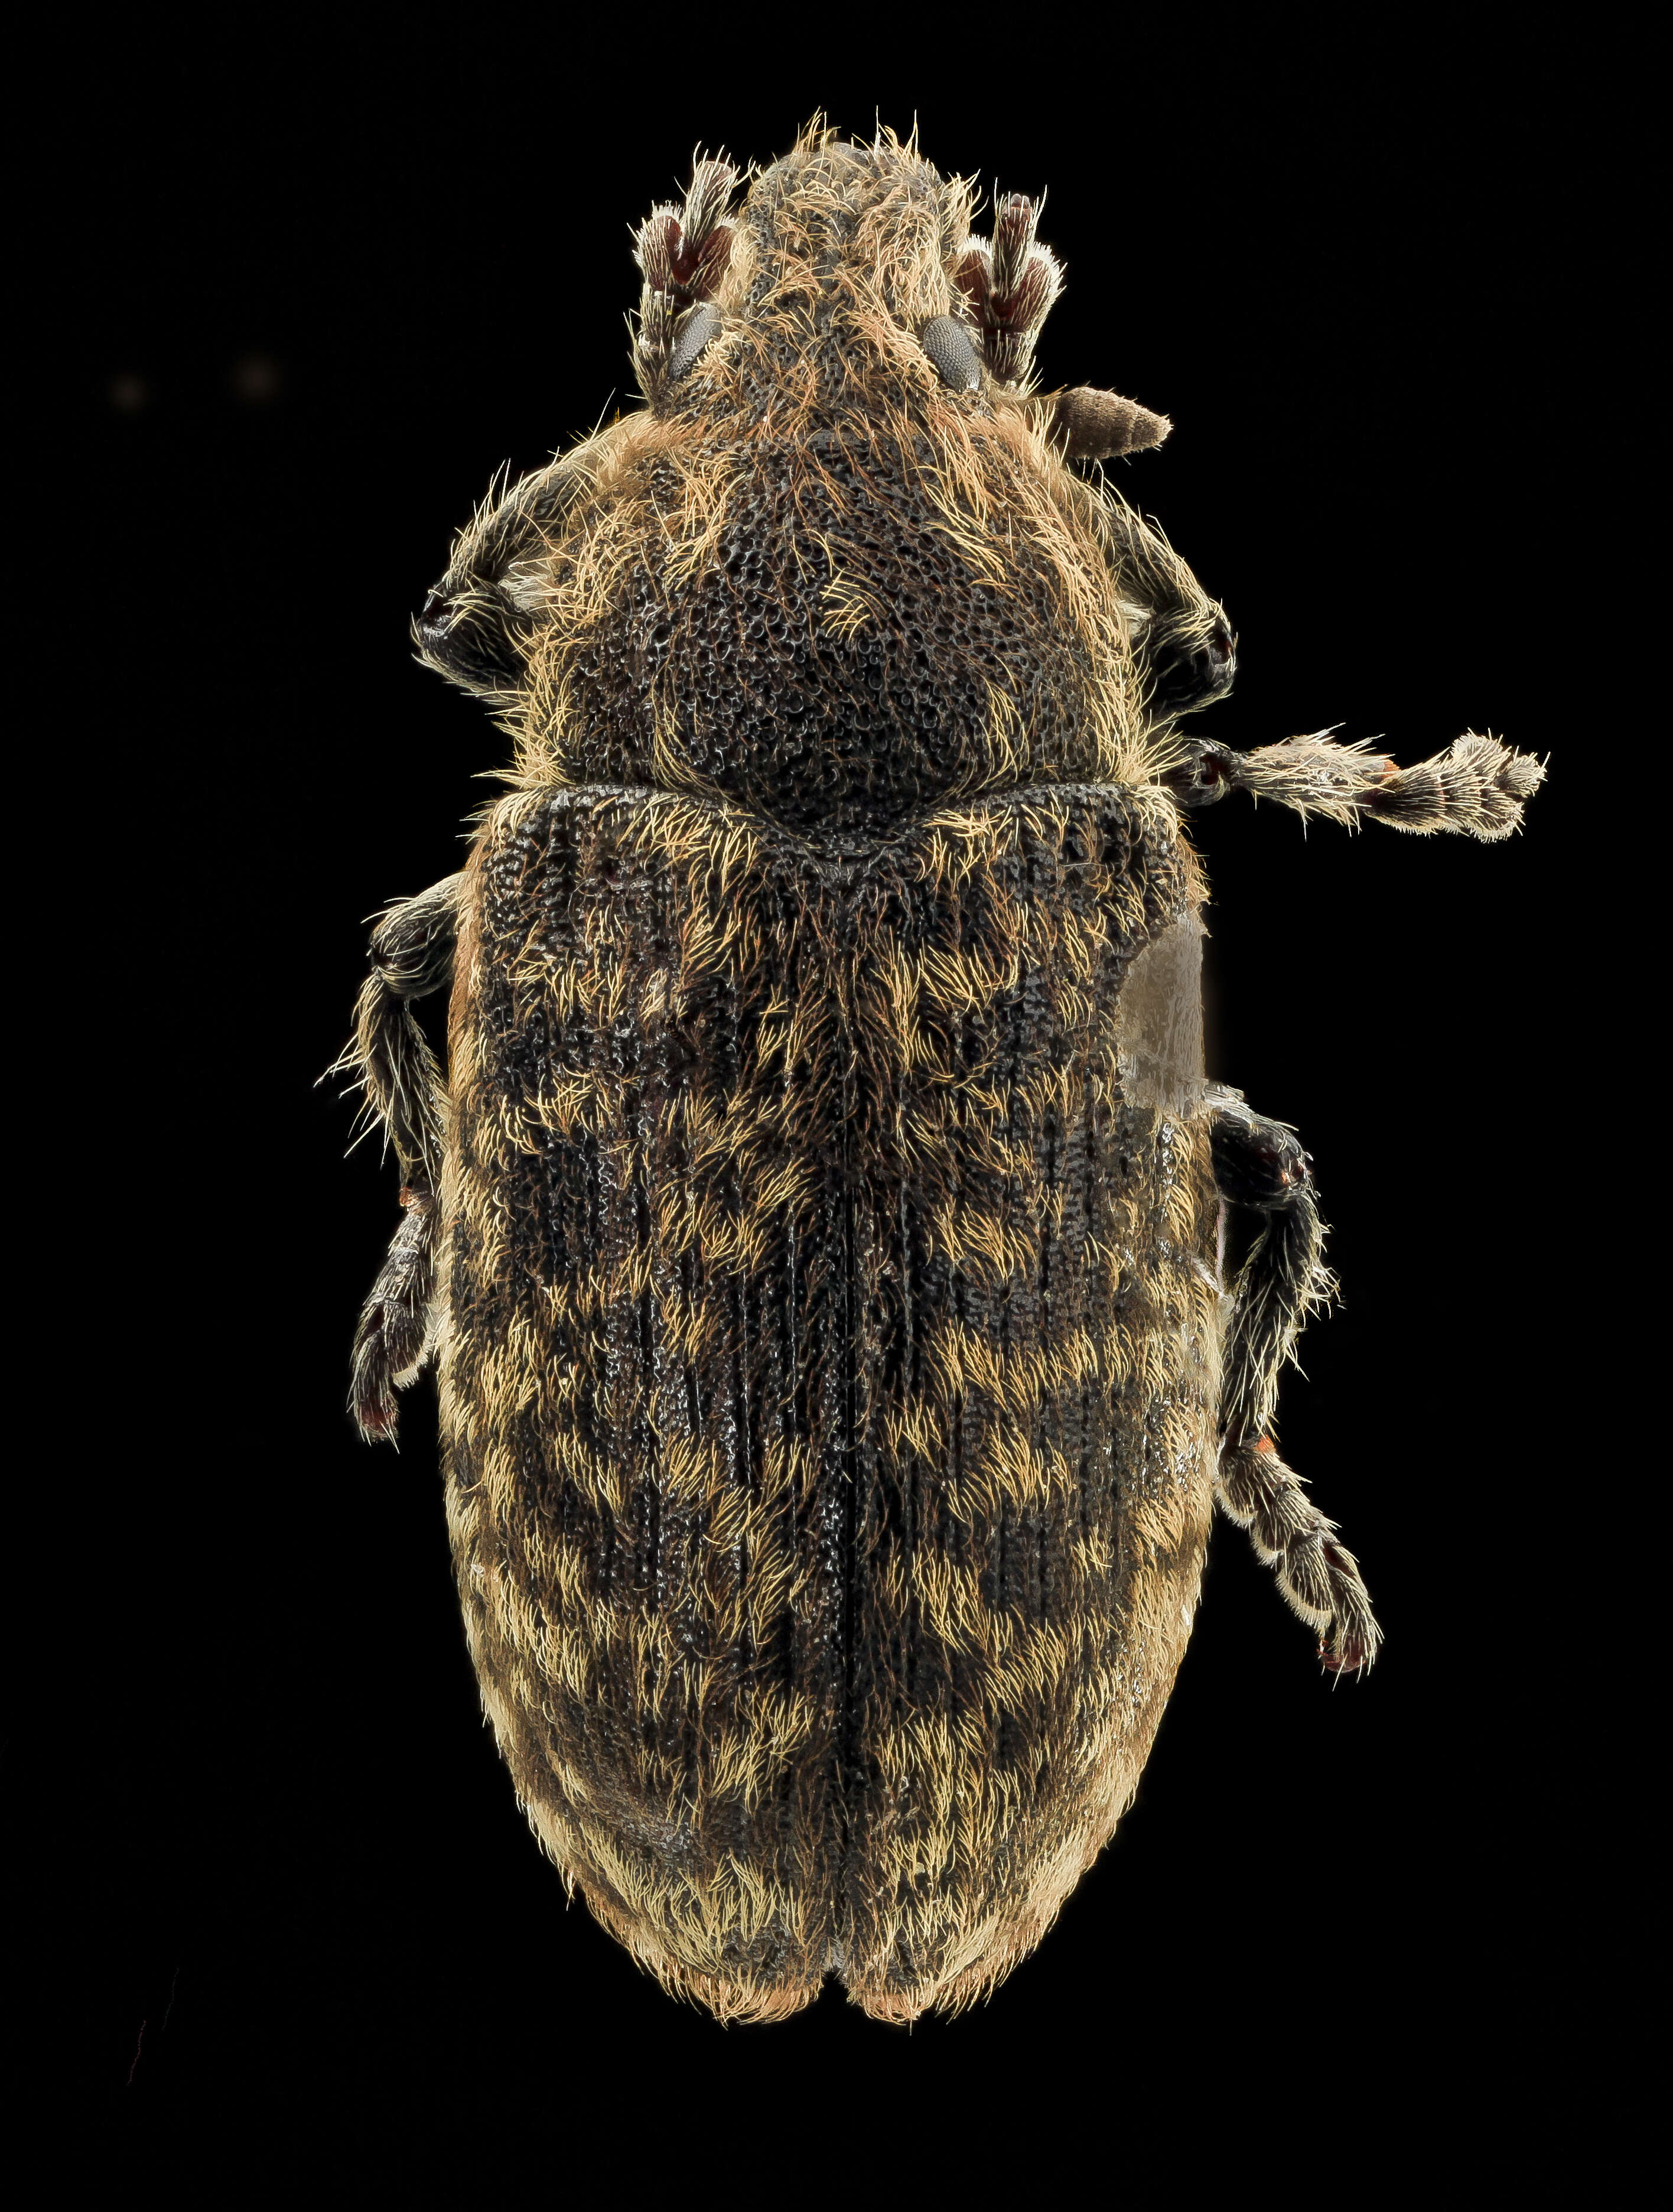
(829, 1378)
(818, 1229)
(829, 1375)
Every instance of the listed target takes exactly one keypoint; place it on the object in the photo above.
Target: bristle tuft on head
(1011, 283)
(682, 254)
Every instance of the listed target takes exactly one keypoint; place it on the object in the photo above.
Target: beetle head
(835, 569)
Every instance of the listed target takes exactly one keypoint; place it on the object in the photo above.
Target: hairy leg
(1260, 1165)
(411, 956)
(1477, 787)
(392, 1336)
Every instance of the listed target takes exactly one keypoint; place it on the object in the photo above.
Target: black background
(330, 280)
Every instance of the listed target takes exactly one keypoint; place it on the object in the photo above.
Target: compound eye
(700, 327)
(951, 348)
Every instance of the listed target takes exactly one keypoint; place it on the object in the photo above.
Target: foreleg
(411, 956)
(1477, 787)
(1260, 1165)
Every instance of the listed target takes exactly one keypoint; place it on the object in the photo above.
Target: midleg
(1477, 787)
(1260, 1165)
(411, 956)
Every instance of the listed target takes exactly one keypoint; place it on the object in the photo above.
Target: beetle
(819, 1229)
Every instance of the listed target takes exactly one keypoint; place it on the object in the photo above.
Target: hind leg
(392, 1336)
(1260, 1165)
(412, 955)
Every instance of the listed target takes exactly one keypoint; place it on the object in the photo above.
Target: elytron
(818, 1228)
